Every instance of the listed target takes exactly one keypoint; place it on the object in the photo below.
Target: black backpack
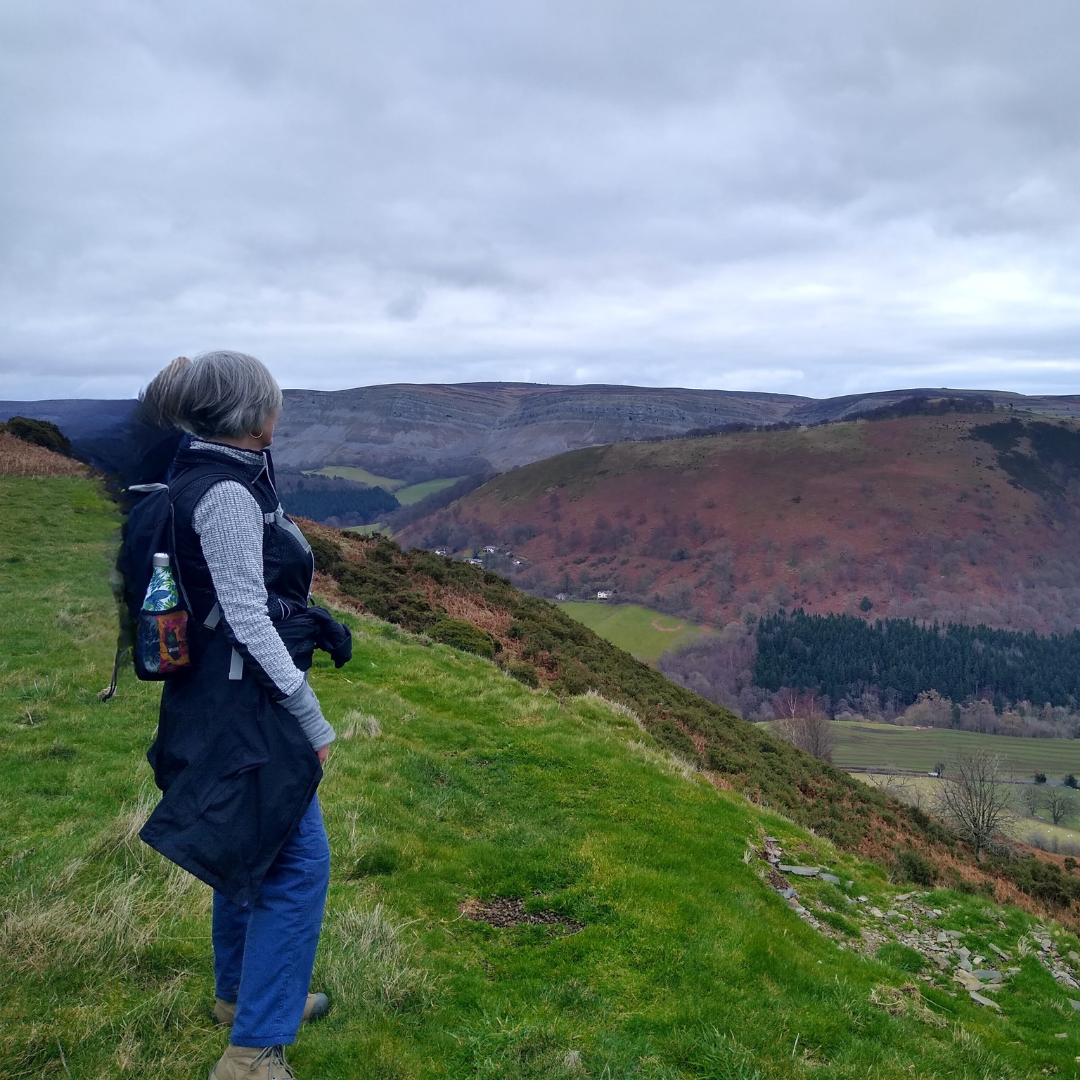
(149, 529)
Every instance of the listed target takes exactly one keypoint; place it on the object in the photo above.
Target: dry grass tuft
(664, 759)
(18, 458)
(110, 931)
(358, 723)
(616, 707)
(106, 924)
(122, 833)
(365, 961)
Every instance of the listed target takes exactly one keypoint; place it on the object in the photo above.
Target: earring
(256, 434)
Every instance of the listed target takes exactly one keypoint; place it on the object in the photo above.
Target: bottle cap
(161, 559)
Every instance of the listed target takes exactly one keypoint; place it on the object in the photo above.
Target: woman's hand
(323, 753)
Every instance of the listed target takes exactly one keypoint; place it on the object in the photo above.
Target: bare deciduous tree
(975, 798)
(1060, 802)
(812, 733)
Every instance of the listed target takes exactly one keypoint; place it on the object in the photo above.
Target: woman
(241, 738)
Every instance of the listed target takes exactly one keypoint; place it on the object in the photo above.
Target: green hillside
(864, 745)
(451, 785)
(639, 630)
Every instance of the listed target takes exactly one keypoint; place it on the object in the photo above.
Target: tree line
(333, 500)
(844, 656)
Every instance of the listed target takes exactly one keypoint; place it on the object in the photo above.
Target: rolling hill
(959, 517)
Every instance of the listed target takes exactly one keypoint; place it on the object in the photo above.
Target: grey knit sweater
(229, 523)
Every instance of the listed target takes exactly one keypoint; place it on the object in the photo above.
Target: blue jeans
(264, 952)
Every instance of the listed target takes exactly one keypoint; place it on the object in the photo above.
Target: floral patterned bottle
(161, 594)
(161, 639)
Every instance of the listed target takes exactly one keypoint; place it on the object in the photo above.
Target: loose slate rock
(800, 871)
(830, 877)
(510, 911)
(980, 1000)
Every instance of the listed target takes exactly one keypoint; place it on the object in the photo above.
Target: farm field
(865, 745)
(922, 791)
(638, 630)
(406, 494)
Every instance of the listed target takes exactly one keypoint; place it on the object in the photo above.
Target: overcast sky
(800, 196)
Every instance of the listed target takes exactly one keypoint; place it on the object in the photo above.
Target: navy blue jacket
(235, 767)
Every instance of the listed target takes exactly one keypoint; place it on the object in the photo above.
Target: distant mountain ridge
(457, 428)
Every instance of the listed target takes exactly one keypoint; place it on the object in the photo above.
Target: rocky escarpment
(423, 431)
(500, 424)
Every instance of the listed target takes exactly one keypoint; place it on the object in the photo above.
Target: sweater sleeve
(229, 523)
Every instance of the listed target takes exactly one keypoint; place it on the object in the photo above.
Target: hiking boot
(252, 1063)
(224, 1012)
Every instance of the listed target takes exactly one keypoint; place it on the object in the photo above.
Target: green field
(415, 492)
(359, 476)
(450, 783)
(865, 745)
(368, 530)
(406, 494)
(638, 630)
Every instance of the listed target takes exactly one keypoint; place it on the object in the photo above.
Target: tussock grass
(616, 707)
(356, 723)
(664, 759)
(366, 964)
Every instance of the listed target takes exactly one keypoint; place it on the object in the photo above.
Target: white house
(441, 551)
(490, 549)
(605, 594)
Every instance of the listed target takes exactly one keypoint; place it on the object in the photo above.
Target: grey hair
(219, 394)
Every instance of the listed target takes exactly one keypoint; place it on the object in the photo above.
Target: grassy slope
(416, 589)
(688, 965)
(639, 630)
(868, 745)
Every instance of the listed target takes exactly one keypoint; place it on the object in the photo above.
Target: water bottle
(161, 594)
(161, 636)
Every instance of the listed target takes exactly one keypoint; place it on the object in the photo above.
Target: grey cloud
(825, 193)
